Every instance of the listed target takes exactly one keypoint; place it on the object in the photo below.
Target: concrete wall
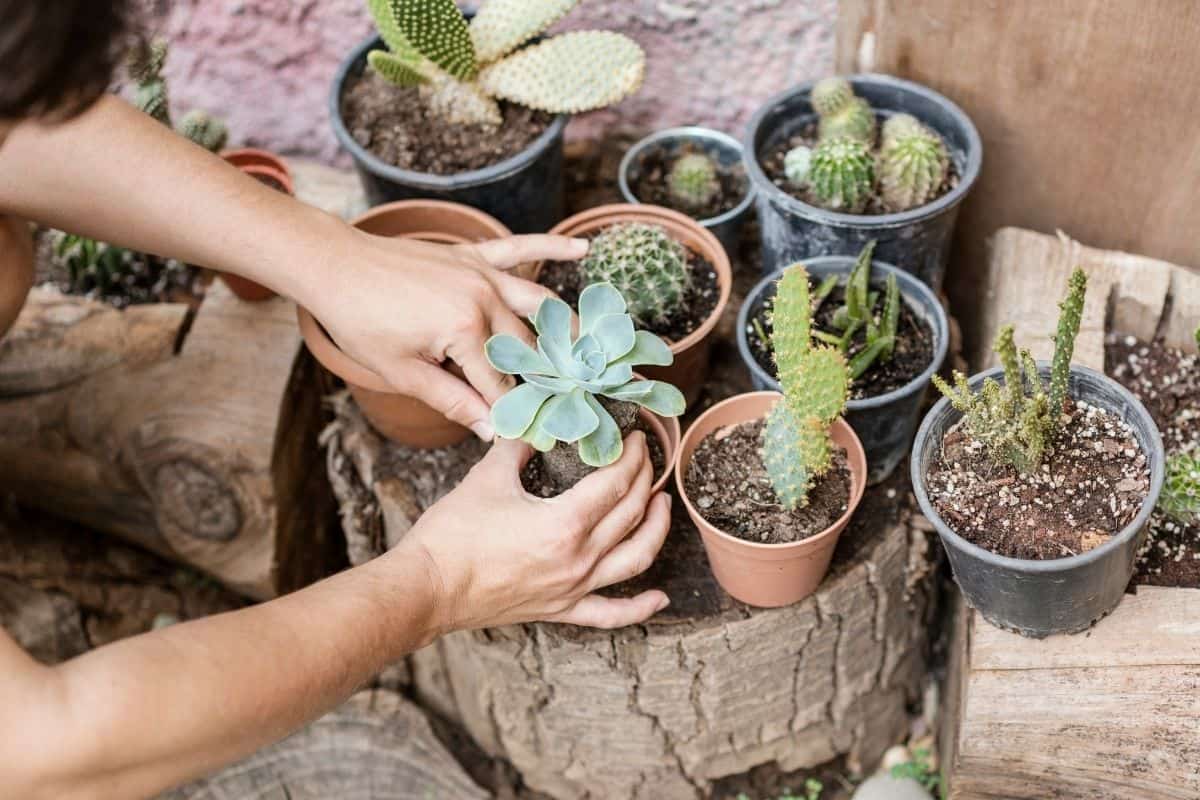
(266, 65)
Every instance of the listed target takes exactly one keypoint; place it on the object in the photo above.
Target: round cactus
(796, 164)
(643, 262)
(899, 126)
(842, 175)
(693, 181)
(911, 170)
(204, 129)
(855, 120)
(831, 95)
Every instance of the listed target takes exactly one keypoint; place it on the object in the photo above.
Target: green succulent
(1019, 420)
(898, 126)
(204, 129)
(912, 169)
(562, 378)
(842, 175)
(796, 165)
(693, 181)
(855, 121)
(91, 265)
(643, 262)
(858, 316)
(831, 95)
(463, 67)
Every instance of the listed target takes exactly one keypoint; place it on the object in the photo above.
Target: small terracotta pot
(242, 157)
(691, 352)
(402, 419)
(767, 575)
(272, 171)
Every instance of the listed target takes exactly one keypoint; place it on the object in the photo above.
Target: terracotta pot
(767, 575)
(402, 419)
(691, 352)
(668, 432)
(242, 157)
(273, 172)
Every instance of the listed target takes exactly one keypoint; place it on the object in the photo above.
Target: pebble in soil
(651, 185)
(1167, 381)
(727, 483)
(912, 355)
(1090, 487)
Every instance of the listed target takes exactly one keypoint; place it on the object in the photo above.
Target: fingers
(504, 321)
(625, 516)
(515, 250)
(634, 556)
(595, 496)
(443, 392)
(595, 611)
(507, 456)
(520, 295)
(482, 375)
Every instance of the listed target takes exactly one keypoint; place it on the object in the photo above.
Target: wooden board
(1086, 112)
(1114, 713)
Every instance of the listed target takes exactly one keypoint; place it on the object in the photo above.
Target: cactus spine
(643, 262)
(912, 169)
(796, 448)
(693, 181)
(842, 175)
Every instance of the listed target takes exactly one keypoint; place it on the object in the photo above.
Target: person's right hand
(498, 555)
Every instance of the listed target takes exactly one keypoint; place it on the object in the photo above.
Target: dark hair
(58, 56)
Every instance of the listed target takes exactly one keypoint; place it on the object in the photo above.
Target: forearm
(117, 175)
(135, 717)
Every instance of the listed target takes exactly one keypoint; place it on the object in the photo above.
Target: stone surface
(266, 65)
(885, 787)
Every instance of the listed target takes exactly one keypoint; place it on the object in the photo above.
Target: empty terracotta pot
(767, 575)
(242, 157)
(691, 352)
(270, 170)
(402, 419)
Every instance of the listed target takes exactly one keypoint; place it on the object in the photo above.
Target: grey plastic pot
(1061, 595)
(722, 148)
(917, 240)
(525, 192)
(886, 423)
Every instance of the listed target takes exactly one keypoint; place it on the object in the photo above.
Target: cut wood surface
(1113, 713)
(1085, 115)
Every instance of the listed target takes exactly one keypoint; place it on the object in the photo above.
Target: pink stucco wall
(266, 65)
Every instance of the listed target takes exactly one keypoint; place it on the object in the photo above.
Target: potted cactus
(1040, 479)
(693, 170)
(578, 397)
(889, 324)
(771, 480)
(674, 273)
(844, 161)
(439, 106)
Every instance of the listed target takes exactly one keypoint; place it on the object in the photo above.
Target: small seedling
(644, 264)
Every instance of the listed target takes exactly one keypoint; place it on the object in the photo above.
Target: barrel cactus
(856, 121)
(831, 95)
(842, 175)
(204, 129)
(796, 165)
(912, 169)
(693, 181)
(643, 262)
(899, 126)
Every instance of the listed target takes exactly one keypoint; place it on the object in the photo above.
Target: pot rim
(689, 132)
(671, 436)
(1050, 565)
(910, 285)
(612, 213)
(318, 341)
(283, 178)
(858, 488)
(768, 190)
(427, 180)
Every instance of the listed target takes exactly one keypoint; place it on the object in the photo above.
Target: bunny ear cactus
(693, 181)
(643, 262)
(564, 378)
(912, 168)
(1018, 422)
(796, 448)
(842, 175)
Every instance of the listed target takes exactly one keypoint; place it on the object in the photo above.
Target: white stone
(885, 787)
(896, 755)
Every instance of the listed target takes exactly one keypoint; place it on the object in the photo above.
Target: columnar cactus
(463, 68)
(1018, 422)
(796, 448)
(693, 181)
(912, 168)
(899, 126)
(91, 265)
(1180, 498)
(842, 175)
(204, 129)
(858, 316)
(643, 262)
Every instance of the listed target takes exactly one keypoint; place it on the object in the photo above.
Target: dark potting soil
(772, 164)
(727, 482)
(651, 186)
(537, 483)
(1167, 381)
(1091, 486)
(565, 278)
(396, 125)
(913, 353)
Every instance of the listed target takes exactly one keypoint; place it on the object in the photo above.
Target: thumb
(516, 250)
(443, 392)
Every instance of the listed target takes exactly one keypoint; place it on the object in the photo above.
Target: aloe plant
(858, 316)
(558, 408)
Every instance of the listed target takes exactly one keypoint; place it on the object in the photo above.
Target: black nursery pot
(917, 240)
(885, 423)
(1061, 595)
(524, 192)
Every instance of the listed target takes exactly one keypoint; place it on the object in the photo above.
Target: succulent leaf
(596, 301)
(437, 30)
(514, 412)
(649, 350)
(1069, 317)
(396, 69)
(569, 418)
(603, 445)
(388, 28)
(501, 26)
(510, 355)
(661, 398)
(615, 334)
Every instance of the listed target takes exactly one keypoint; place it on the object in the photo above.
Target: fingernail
(666, 601)
(581, 247)
(484, 430)
(670, 500)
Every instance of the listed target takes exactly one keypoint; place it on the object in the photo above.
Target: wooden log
(1111, 714)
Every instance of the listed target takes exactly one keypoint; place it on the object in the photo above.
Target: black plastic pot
(524, 192)
(917, 240)
(720, 147)
(1061, 595)
(885, 424)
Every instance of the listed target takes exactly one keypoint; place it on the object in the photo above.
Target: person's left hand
(403, 308)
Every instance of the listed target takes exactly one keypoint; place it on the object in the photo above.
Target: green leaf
(535, 436)
(596, 301)
(389, 31)
(569, 418)
(614, 375)
(550, 383)
(438, 30)
(866, 357)
(602, 446)
(648, 349)
(515, 411)
(553, 320)
(511, 356)
(587, 354)
(661, 398)
(615, 334)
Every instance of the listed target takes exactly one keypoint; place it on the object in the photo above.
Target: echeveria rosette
(562, 378)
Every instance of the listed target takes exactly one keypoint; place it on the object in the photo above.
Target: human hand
(16, 268)
(407, 307)
(498, 555)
